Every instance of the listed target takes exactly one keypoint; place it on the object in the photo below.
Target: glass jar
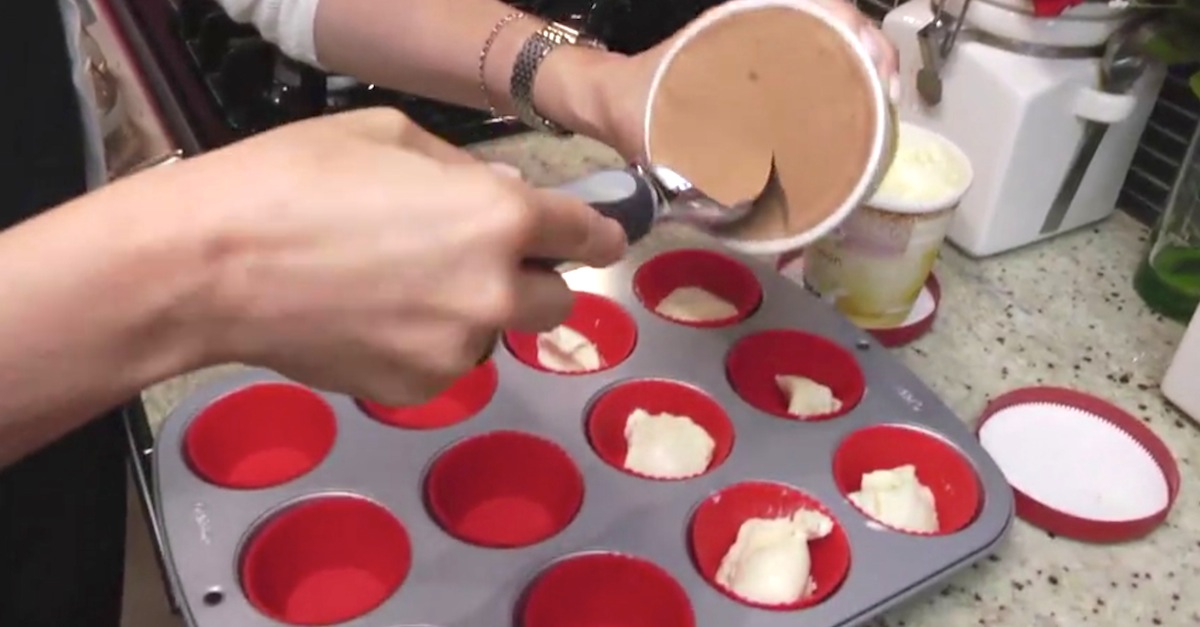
(1168, 278)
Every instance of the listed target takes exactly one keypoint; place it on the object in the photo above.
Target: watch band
(525, 69)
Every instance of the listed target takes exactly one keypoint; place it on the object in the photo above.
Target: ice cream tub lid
(1079, 466)
(918, 322)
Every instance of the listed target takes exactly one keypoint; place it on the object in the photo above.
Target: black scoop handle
(623, 195)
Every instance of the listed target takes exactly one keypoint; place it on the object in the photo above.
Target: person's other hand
(624, 82)
(359, 253)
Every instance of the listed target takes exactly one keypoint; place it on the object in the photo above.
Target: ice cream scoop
(639, 196)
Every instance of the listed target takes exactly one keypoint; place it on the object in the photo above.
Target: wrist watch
(525, 69)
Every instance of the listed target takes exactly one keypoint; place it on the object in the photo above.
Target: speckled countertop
(1059, 313)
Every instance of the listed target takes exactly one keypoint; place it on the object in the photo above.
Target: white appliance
(1181, 385)
(1017, 95)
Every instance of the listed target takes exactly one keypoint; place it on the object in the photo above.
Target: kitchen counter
(1057, 313)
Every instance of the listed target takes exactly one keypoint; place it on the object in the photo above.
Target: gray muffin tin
(454, 584)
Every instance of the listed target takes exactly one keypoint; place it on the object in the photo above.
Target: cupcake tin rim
(453, 584)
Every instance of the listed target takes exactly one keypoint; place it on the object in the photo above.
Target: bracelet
(483, 55)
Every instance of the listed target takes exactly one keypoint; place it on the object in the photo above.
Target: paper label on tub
(871, 236)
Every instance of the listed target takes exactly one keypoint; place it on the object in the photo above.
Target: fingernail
(895, 89)
(506, 169)
(867, 36)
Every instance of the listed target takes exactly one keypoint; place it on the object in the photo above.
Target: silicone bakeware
(504, 503)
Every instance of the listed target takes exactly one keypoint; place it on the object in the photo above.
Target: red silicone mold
(957, 494)
(609, 413)
(597, 318)
(755, 361)
(326, 560)
(715, 525)
(504, 489)
(606, 590)
(467, 397)
(260, 436)
(713, 272)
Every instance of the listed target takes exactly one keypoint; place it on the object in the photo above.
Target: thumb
(506, 170)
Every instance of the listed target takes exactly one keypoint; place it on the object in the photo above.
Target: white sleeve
(285, 23)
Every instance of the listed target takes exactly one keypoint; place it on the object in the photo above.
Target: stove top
(228, 83)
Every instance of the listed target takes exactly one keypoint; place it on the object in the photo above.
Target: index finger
(568, 229)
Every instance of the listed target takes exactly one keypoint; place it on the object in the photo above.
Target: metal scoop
(640, 196)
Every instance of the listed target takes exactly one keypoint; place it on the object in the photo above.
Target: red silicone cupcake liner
(260, 436)
(755, 361)
(602, 321)
(1079, 466)
(610, 412)
(326, 560)
(606, 590)
(718, 274)
(504, 489)
(957, 495)
(460, 402)
(715, 524)
(919, 321)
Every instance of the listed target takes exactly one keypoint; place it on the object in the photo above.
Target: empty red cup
(260, 436)
(755, 361)
(602, 321)
(718, 274)
(715, 525)
(462, 400)
(957, 496)
(609, 413)
(606, 590)
(325, 560)
(504, 489)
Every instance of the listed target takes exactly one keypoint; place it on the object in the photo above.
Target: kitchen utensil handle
(1093, 135)
(623, 195)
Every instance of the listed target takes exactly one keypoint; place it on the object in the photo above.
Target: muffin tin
(503, 502)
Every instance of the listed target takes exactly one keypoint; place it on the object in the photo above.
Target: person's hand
(624, 82)
(360, 254)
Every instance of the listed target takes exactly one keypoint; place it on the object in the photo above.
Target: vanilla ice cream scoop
(695, 304)
(666, 446)
(563, 349)
(769, 562)
(806, 397)
(897, 498)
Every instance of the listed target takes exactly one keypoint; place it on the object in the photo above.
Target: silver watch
(529, 60)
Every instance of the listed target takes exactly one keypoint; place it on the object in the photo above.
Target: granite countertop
(1058, 313)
